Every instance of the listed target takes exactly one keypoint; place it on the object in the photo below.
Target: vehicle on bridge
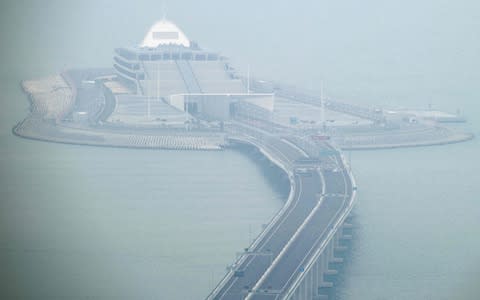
(304, 171)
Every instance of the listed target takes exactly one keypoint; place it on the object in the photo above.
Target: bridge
(292, 257)
(308, 97)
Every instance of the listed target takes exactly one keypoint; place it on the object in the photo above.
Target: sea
(80, 222)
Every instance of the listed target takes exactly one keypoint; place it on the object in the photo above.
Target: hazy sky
(362, 49)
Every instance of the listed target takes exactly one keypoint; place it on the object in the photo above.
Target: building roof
(164, 32)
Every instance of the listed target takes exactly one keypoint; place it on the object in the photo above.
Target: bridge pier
(318, 276)
(310, 288)
(340, 248)
(319, 279)
(328, 266)
(335, 245)
(323, 267)
(320, 267)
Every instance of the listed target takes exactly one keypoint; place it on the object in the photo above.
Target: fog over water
(87, 222)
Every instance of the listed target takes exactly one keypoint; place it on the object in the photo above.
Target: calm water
(85, 222)
(418, 225)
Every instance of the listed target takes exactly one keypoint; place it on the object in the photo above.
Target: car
(239, 273)
(303, 172)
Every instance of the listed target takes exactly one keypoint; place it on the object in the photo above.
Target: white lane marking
(295, 146)
(264, 242)
(328, 238)
(321, 236)
(292, 239)
(249, 259)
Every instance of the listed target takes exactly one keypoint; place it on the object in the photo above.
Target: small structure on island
(171, 78)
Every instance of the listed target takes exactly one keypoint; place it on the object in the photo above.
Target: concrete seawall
(36, 129)
(53, 98)
(435, 137)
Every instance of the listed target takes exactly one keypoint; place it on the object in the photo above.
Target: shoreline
(466, 137)
(53, 98)
(458, 138)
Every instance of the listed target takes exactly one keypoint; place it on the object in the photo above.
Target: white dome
(164, 33)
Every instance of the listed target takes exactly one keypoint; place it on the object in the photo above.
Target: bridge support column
(339, 248)
(324, 265)
(296, 295)
(325, 270)
(318, 280)
(303, 289)
(318, 269)
(314, 272)
(330, 259)
(309, 285)
(335, 244)
(338, 236)
(330, 247)
(347, 231)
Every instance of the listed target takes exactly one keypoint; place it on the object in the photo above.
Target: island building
(168, 82)
(169, 78)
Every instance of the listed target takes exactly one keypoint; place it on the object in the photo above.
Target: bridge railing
(310, 97)
(348, 208)
(254, 137)
(259, 139)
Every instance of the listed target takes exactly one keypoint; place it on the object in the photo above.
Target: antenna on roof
(164, 11)
(248, 79)
(322, 104)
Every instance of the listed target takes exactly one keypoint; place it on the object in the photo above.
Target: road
(271, 265)
(315, 231)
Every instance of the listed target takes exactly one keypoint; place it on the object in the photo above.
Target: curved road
(278, 256)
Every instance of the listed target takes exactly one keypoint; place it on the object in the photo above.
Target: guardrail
(310, 97)
(289, 243)
(290, 292)
(288, 170)
(254, 137)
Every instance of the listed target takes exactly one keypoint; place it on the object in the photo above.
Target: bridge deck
(274, 262)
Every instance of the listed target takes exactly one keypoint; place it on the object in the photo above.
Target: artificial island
(169, 93)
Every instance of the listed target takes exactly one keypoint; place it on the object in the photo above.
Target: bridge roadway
(308, 97)
(282, 275)
(318, 197)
